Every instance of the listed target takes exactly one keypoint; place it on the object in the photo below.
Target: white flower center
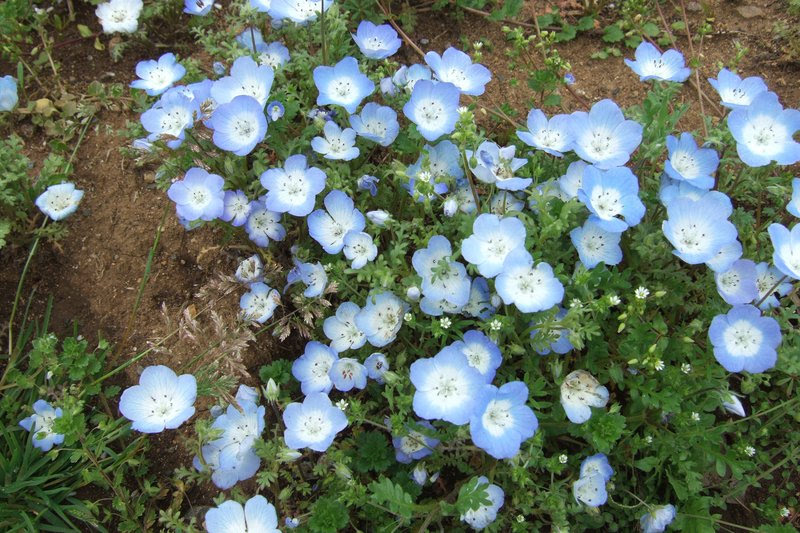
(607, 202)
(685, 164)
(314, 426)
(430, 111)
(477, 356)
(497, 418)
(742, 339)
(412, 443)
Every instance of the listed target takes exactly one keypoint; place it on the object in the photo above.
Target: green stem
(771, 291)
(322, 29)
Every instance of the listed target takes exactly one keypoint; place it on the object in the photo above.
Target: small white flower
(641, 293)
(477, 45)
(342, 404)
(649, 439)
(686, 368)
(327, 267)
(749, 451)
(575, 302)
(614, 300)
(424, 176)
(659, 365)
(563, 458)
(408, 317)
(462, 109)
(445, 323)
(495, 325)
(695, 417)
(785, 512)
(520, 518)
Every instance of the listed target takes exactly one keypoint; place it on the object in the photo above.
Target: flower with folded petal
(735, 92)
(744, 340)
(767, 280)
(328, 227)
(169, 117)
(497, 165)
(381, 318)
(313, 424)
(198, 8)
(313, 275)
(485, 514)
(161, 400)
(479, 304)
(415, 445)
(603, 137)
(456, 67)
(651, 64)
(787, 249)
(250, 270)
(59, 201)
(657, 519)
(257, 515)
(259, 302)
(8, 93)
(581, 391)
(40, 424)
(376, 42)
(377, 365)
(341, 328)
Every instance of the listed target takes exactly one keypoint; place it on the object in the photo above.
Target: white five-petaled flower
(641, 293)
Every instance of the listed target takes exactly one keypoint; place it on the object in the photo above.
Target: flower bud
(272, 390)
(287, 455)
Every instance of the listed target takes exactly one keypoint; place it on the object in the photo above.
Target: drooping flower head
(603, 137)
(732, 404)
(497, 165)
(312, 368)
(651, 64)
(377, 123)
(119, 16)
(481, 352)
(259, 303)
(485, 514)
(491, 241)
(531, 288)
(456, 67)
(687, 162)
(40, 425)
(328, 227)
(343, 84)
(377, 365)
(341, 328)
(414, 445)
(257, 515)
(293, 189)
(247, 78)
(787, 249)
(433, 107)
(657, 519)
(579, 392)
(239, 125)
(612, 196)
(381, 318)
(199, 195)
(263, 225)
(314, 423)
(8, 93)
(59, 201)
(250, 270)
(572, 180)
(502, 421)
(338, 143)
(698, 229)
(744, 340)
(369, 183)
(359, 248)
(735, 92)
(764, 132)
(274, 55)
(313, 275)
(446, 387)
(737, 285)
(161, 400)
(595, 245)
(347, 373)
(156, 76)
(376, 42)
(767, 280)
(553, 136)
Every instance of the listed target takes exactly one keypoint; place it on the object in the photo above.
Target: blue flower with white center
(262, 6)
(581, 391)
(240, 428)
(337, 143)
(377, 365)
(572, 180)
(237, 468)
(530, 288)
(441, 279)
(559, 338)
(438, 307)
(491, 241)
(274, 55)
(259, 302)
(257, 515)
(40, 425)
(596, 464)
(672, 188)
(744, 340)
(651, 64)
(8, 93)
(298, 11)
(481, 352)
(249, 36)
(689, 163)
(313, 367)
(787, 249)
(590, 490)
(263, 225)
(247, 78)
(485, 514)
(735, 92)
(377, 123)
(161, 400)
(359, 248)
(368, 183)
(347, 373)
(341, 328)
(343, 84)
(387, 86)
(313, 424)
(737, 285)
(497, 165)
(236, 208)
(456, 67)
(292, 522)
(407, 77)
(657, 519)
(169, 117)
(726, 256)
(438, 165)
(502, 421)
(612, 196)
(381, 318)
(59, 201)
(764, 132)
(275, 110)
(465, 198)
(376, 42)
(433, 107)
(198, 196)
(446, 387)
(793, 207)
(313, 275)
(293, 189)
(603, 137)
(767, 280)
(479, 304)
(553, 136)
(156, 76)
(698, 229)
(379, 217)
(416, 444)
(250, 270)
(328, 227)
(595, 245)
(239, 125)
(119, 15)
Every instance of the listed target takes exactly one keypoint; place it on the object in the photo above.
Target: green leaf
(613, 34)
(472, 495)
(372, 452)
(84, 31)
(647, 464)
(651, 29)
(392, 496)
(328, 516)
(585, 23)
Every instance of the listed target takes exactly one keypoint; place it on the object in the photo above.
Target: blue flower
(376, 42)
(559, 338)
(569, 78)
(155, 77)
(262, 6)
(257, 515)
(337, 143)
(377, 123)
(690, 163)
(347, 373)
(161, 400)
(657, 519)
(481, 352)
(248, 36)
(732, 404)
(595, 245)
(238, 468)
(456, 67)
(407, 77)
(368, 183)
(735, 92)
(415, 444)
(312, 368)
(503, 202)
(485, 514)
(199, 195)
(793, 207)
(168, 117)
(441, 279)
(438, 306)
(572, 180)
(553, 136)
(247, 78)
(737, 285)
(609, 195)
(672, 188)
(341, 328)
(698, 229)
(377, 365)
(433, 107)
(726, 256)
(502, 421)
(651, 64)
(436, 165)
(259, 302)
(59, 201)
(313, 423)
(581, 391)
(292, 522)
(250, 270)
(263, 225)
(40, 424)
(298, 11)
(745, 340)
(273, 55)
(479, 304)
(239, 125)
(119, 15)
(764, 132)
(787, 249)
(498, 165)
(381, 318)
(766, 280)
(293, 189)
(328, 227)
(359, 248)
(275, 110)
(343, 84)
(446, 387)
(603, 137)
(8, 93)
(491, 241)
(236, 208)
(596, 464)
(590, 490)
(313, 275)
(530, 288)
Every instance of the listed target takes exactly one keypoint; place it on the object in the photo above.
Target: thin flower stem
(724, 523)
(696, 71)
(771, 291)
(322, 29)
(472, 187)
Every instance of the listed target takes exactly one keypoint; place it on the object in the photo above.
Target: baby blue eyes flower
(161, 400)
(698, 229)
(59, 201)
(248, 36)
(343, 84)
(651, 64)
(581, 391)
(155, 77)
(491, 241)
(407, 77)
(479, 304)
(446, 387)
(376, 42)
(433, 107)
(793, 207)
(688, 162)
(298, 11)
(767, 280)
(381, 318)
(263, 225)
(595, 245)
(569, 78)
(169, 117)
(437, 165)
(328, 227)
(341, 328)
(612, 196)
(530, 288)
(337, 143)
(313, 367)
(8, 93)
(485, 514)
(764, 132)
(258, 515)
(572, 180)
(553, 136)
(236, 208)
(198, 196)
(415, 445)
(657, 519)
(727, 255)
(502, 421)
(603, 137)
(733, 404)
(737, 285)
(596, 464)
(239, 125)
(456, 67)
(441, 279)
(247, 78)
(199, 8)
(275, 110)
(379, 217)
(744, 340)
(259, 302)
(250, 270)
(313, 275)
(590, 487)
(293, 189)
(481, 352)
(497, 165)
(273, 55)
(377, 365)
(368, 183)
(313, 424)
(735, 92)
(359, 248)
(119, 15)
(40, 424)
(347, 374)
(262, 6)
(787, 249)
(377, 123)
